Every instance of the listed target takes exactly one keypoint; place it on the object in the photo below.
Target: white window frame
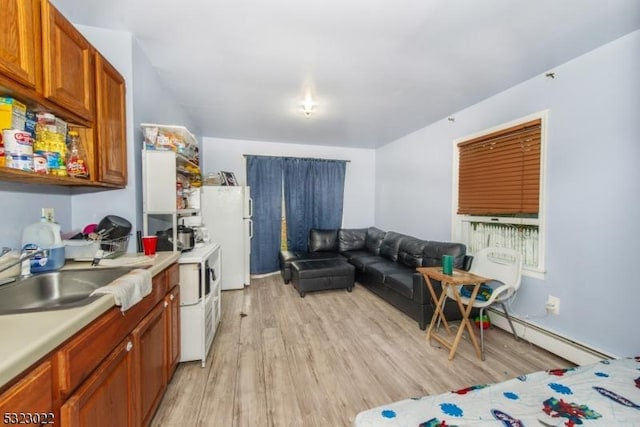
(459, 222)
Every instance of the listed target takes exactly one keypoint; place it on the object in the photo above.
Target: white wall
(152, 104)
(592, 190)
(91, 206)
(22, 204)
(227, 154)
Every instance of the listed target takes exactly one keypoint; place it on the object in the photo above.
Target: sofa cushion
(433, 251)
(360, 261)
(401, 283)
(380, 269)
(323, 240)
(390, 245)
(373, 240)
(349, 255)
(410, 252)
(351, 239)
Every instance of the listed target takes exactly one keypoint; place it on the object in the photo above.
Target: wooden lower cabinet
(89, 381)
(149, 338)
(173, 331)
(29, 401)
(105, 398)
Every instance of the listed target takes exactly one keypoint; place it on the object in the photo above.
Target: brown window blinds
(499, 173)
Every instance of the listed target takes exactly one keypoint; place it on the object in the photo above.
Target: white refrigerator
(226, 213)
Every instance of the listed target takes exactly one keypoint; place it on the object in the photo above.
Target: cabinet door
(68, 63)
(107, 397)
(30, 397)
(149, 337)
(20, 41)
(173, 331)
(159, 184)
(111, 134)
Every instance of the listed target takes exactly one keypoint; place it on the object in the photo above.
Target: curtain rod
(292, 157)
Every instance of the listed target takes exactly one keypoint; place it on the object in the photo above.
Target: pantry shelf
(26, 177)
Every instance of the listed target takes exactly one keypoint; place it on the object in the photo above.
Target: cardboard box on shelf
(12, 114)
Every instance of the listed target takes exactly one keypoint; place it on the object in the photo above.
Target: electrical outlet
(48, 214)
(553, 305)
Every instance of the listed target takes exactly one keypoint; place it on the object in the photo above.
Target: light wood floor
(282, 360)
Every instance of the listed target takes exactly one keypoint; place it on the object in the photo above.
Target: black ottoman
(288, 257)
(317, 275)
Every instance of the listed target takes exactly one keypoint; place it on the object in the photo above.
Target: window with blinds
(499, 181)
(499, 173)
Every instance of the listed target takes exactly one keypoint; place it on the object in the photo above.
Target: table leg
(439, 312)
(470, 328)
(464, 323)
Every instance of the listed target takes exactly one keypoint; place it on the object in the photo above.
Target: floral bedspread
(606, 393)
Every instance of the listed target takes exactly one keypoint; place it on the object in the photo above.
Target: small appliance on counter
(200, 232)
(186, 238)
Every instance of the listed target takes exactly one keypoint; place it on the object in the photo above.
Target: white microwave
(190, 279)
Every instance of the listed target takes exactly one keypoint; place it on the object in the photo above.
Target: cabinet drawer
(32, 396)
(173, 276)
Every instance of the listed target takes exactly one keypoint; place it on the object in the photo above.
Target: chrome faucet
(24, 256)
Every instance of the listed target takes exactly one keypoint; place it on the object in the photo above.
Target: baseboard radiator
(573, 351)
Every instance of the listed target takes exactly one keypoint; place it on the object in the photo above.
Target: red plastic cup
(149, 244)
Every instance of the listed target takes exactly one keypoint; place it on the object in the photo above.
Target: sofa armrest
(287, 256)
(420, 291)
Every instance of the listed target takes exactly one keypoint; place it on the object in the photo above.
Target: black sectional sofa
(385, 263)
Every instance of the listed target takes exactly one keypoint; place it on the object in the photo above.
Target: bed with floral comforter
(606, 393)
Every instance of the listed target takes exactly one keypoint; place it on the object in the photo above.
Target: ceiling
(378, 70)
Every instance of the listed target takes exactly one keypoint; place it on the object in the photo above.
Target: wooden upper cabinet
(68, 63)
(110, 124)
(20, 41)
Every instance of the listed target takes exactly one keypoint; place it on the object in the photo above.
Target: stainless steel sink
(55, 290)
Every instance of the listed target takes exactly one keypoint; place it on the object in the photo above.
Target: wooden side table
(454, 281)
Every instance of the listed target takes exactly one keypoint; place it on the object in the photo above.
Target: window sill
(533, 273)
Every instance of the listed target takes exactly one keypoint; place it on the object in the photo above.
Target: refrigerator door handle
(250, 208)
(250, 229)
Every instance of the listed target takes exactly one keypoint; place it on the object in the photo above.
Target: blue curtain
(264, 176)
(314, 191)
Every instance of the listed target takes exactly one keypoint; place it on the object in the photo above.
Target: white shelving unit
(170, 151)
(167, 148)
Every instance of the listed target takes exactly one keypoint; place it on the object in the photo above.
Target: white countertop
(26, 338)
(199, 253)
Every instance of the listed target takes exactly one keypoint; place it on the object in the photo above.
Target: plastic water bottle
(44, 235)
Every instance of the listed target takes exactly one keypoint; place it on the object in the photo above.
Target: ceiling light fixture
(308, 106)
